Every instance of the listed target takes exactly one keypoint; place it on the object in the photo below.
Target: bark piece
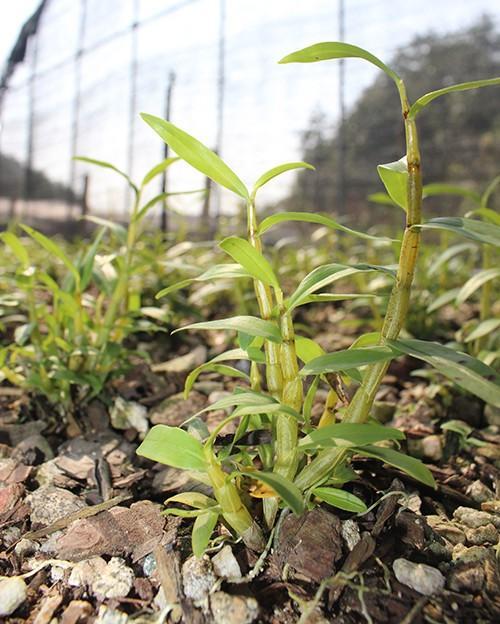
(119, 531)
(310, 545)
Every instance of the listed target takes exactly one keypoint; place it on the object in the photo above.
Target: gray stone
(422, 578)
(225, 564)
(129, 415)
(229, 609)
(350, 533)
(50, 503)
(198, 578)
(486, 534)
(13, 592)
(473, 518)
(432, 448)
(104, 580)
(479, 492)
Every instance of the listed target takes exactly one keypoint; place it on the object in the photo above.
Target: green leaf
(161, 196)
(344, 360)
(349, 434)
(53, 249)
(419, 104)
(287, 490)
(276, 171)
(442, 300)
(233, 354)
(487, 215)
(248, 324)
(394, 176)
(174, 447)
(466, 371)
(218, 271)
(250, 399)
(250, 259)
(483, 329)
(411, 466)
(381, 198)
(17, 248)
(325, 275)
(107, 165)
(197, 155)
(193, 499)
(475, 282)
(447, 255)
(203, 528)
(313, 217)
(116, 228)
(157, 169)
(340, 499)
(336, 50)
(326, 297)
(307, 349)
(88, 259)
(437, 189)
(469, 228)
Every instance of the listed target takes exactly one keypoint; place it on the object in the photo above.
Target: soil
(84, 540)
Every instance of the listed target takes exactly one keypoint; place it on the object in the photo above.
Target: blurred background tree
(460, 135)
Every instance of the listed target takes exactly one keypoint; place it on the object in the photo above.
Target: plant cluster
(277, 453)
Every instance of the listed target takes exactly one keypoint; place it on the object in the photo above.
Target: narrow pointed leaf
(469, 228)
(347, 359)
(193, 499)
(276, 171)
(336, 50)
(286, 490)
(313, 217)
(483, 329)
(233, 354)
(203, 528)
(475, 282)
(411, 466)
(419, 104)
(349, 434)
(442, 300)
(197, 155)
(116, 228)
(447, 255)
(437, 189)
(157, 169)
(17, 248)
(394, 176)
(251, 325)
(250, 259)
(218, 271)
(340, 499)
(54, 249)
(162, 196)
(106, 165)
(325, 275)
(466, 371)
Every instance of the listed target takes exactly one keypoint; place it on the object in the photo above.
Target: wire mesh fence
(91, 66)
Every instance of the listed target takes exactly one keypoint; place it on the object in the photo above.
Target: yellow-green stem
(233, 511)
(359, 408)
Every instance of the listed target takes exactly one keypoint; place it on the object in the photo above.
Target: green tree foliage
(460, 134)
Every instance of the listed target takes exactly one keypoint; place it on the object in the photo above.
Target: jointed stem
(359, 408)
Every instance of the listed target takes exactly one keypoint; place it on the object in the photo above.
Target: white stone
(419, 576)
(13, 592)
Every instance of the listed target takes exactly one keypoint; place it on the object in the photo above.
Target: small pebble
(479, 492)
(486, 534)
(234, 609)
(473, 518)
(225, 564)
(198, 578)
(422, 578)
(13, 593)
(350, 533)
